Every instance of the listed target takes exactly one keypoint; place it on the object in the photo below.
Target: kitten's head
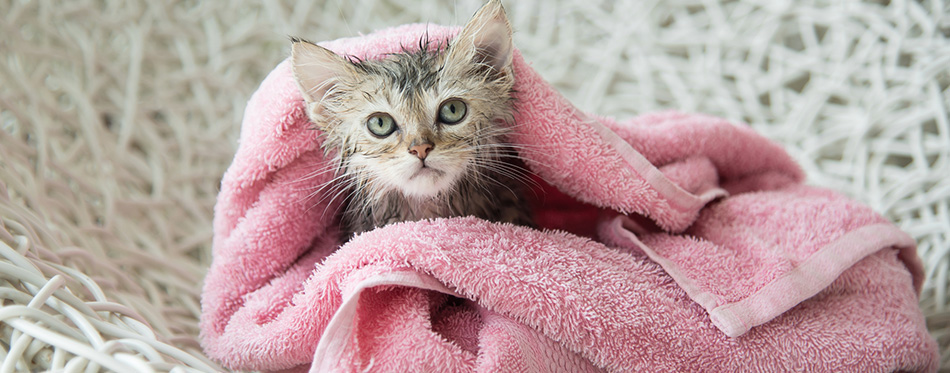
(415, 122)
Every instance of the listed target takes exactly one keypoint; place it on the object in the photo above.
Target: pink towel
(671, 242)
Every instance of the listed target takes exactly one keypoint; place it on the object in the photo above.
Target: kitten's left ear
(485, 39)
(316, 69)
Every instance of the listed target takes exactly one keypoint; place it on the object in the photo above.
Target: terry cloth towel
(669, 242)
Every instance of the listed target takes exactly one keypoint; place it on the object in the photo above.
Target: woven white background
(117, 119)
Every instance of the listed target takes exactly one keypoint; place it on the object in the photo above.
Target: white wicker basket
(117, 119)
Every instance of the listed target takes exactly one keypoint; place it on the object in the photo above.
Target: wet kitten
(420, 134)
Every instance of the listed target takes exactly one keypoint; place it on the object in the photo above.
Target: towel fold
(670, 242)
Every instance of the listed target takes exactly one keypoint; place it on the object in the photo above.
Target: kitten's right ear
(316, 69)
(486, 39)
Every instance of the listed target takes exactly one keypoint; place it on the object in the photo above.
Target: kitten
(420, 135)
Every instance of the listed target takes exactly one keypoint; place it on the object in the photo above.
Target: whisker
(342, 191)
(318, 189)
(313, 174)
(513, 174)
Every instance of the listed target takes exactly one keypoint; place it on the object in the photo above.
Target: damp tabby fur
(427, 166)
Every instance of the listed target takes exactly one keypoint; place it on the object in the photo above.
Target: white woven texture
(118, 117)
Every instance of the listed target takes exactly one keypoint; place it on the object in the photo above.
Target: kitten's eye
(381, 125)
(452, 111)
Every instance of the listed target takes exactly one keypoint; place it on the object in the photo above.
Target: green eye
(452, 111)
(381, 125)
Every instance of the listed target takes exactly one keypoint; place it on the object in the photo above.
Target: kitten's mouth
(426, 171)
(425, 182)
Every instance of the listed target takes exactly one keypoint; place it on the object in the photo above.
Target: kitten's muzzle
(421, 150)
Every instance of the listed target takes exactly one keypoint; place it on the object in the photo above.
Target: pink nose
(420, 150)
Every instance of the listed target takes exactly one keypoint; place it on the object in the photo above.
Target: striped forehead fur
(408, 71)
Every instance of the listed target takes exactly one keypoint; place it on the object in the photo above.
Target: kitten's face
(414, 122)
